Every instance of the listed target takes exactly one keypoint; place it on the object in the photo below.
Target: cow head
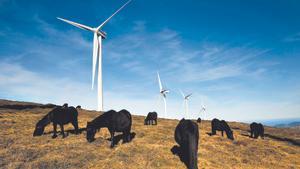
(39, 130)
(90, 132)
(230, 135)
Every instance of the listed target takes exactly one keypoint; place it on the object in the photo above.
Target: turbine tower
(97, 52)
(185, 102)
(163, 93)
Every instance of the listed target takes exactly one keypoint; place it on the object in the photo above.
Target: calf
(151, 119)
(114, 121)
(187, 136)
(199, 120)
(256, 129)
(58, 116)
(217, 125)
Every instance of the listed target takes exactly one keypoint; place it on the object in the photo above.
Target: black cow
(78, 107)
(115, 122)
(199, 120)
(187, 136)
(151, 119)
(217, 125)
(58, 116)
(256, 129)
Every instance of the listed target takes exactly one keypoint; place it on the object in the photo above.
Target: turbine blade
(159, 82)
(189, 95)
(182, 93)
(95, 56)
(78, 25)
(100, 26)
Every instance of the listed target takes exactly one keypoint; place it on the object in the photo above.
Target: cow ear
(88, 123)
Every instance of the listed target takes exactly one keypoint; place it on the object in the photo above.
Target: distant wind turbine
(163, 93)
(185, 102)
(97, 52)
(203, 108)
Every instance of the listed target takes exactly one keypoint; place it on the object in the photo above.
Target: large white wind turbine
(163, 93)
(185, 102)
(97, 52)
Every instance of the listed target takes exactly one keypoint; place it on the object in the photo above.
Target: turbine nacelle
(188, 96)
(164, 91)
(102, 34)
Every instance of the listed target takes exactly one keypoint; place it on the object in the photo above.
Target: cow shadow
(72, 131)
(209, 133)
(246, 135)
(119, 137)
(177, 150)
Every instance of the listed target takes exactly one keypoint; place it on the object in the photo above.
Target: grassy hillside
(150, 147)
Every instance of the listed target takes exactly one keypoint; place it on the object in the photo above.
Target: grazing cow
(115, 122)
(257, 129)
(78, 107)
(187, 136)
(199, 120)
(151, 119)
(58, 116)
(217, 125)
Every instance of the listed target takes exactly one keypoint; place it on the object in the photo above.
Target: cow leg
(62, 130)
(213, 132)
(155, 121)
(75, 124)
(222, 133)
(54, 130)
(255, 134)
(126, 136)
(251, 135)
(112, 139)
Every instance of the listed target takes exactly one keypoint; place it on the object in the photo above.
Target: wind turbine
(185, 102)
(97, 51)
(203, 108)
(163, 93)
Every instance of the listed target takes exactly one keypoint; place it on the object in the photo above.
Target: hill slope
(149, 149)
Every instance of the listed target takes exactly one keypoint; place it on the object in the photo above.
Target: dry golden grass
(149, 149)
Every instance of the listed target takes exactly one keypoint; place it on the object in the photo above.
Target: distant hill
(19, 105)
(289, 125)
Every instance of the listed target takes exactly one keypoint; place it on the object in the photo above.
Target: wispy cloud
(165, 51)
(292, 38)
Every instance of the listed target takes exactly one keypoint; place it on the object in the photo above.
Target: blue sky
(241, 58)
